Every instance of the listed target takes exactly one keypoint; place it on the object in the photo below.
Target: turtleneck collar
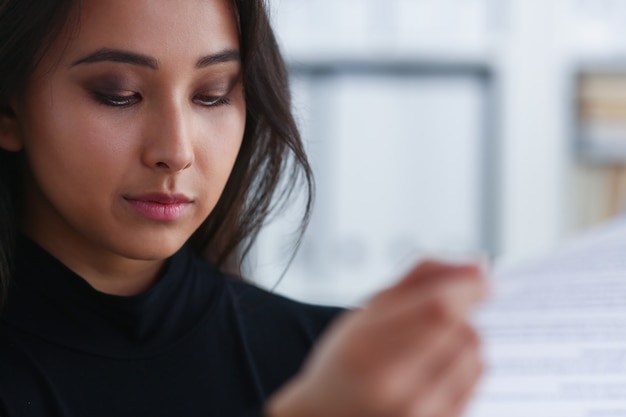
(49, 300)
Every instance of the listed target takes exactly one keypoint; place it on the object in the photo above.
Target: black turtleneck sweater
(198, 343)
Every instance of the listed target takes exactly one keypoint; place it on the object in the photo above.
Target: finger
(387, 360)
(430, 268)
(409, 329)
(431, 273)
(460, 404)
(434, 367)
(453, 297)
(453, 374)
(429, 279)
(417, 333)
(416, 372)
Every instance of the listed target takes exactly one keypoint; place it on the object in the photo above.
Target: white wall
(535, 146)
(401, 161)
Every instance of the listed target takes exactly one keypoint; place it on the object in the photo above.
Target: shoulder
(260, 307)
(278, 332)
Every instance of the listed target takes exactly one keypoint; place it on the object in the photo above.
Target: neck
(106, 272)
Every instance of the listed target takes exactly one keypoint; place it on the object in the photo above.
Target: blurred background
(449, 128)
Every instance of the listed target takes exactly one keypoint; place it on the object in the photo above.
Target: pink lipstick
(160, 207)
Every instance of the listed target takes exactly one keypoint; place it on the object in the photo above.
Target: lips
(160, 207)
(162, 198)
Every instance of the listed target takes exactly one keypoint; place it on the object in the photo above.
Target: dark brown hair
(271, 163)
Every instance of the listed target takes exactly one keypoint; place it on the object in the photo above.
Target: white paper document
(554, 334)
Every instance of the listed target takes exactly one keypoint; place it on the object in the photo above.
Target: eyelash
(117, 101)
(127, 101)
(210, 101)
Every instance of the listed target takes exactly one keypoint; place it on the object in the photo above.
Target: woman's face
(130, 127)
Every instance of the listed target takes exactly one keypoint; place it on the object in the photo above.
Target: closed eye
(117, 100)
(211, 101)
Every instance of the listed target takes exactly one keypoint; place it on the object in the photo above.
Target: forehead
(180, 29)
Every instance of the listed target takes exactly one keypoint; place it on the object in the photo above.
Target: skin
(97, 132)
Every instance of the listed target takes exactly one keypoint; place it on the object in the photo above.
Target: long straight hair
(271, 163)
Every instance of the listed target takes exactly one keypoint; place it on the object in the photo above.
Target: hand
(409, 352)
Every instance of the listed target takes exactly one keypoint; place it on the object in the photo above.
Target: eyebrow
(133, 58)
(228, 55)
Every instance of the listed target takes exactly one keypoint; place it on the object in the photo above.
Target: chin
(153, 248)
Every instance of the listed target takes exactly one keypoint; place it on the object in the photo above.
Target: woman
(139, 137)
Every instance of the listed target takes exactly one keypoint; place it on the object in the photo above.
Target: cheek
(217, 157)
(225, 138)
(89, 130)
(62, 120)
(233, 135)
(73, 145)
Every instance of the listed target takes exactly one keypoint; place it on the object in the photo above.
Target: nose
(169, 145)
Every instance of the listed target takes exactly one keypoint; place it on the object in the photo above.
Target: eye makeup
(112, 90)
(120, 89)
